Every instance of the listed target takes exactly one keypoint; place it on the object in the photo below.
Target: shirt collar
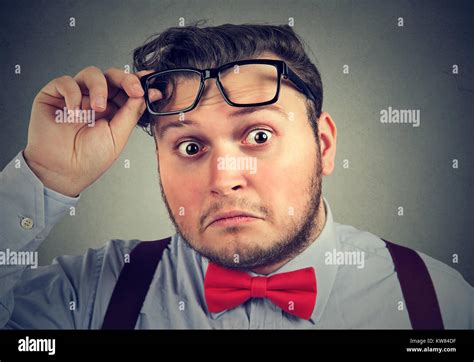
(313, 256)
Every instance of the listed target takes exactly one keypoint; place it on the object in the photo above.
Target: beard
(297, 236)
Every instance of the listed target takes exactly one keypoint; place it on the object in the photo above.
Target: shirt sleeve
(28, 212)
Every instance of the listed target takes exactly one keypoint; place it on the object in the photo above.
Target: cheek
(183, 192)
(286, 180)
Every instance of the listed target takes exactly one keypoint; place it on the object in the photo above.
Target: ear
(327, 137)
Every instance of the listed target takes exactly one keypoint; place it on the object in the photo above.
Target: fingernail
(154, 94)
(100, 102)
(138, 88)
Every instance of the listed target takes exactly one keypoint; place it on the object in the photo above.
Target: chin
(235, 234)
(236, 244)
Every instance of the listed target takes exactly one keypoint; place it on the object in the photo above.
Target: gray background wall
(390, 165)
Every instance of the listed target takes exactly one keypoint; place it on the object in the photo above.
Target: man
(241, 145)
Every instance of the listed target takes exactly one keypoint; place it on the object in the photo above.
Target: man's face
(243, 187)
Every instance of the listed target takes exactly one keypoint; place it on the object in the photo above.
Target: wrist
(52, 180)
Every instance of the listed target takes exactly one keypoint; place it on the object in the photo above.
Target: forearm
(28, 212)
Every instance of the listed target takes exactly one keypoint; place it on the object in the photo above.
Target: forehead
(212, 102)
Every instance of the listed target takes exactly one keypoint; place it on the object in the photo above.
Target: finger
(120, 98)
(65, 88)
(154, 95)
(123, 85)
(130, 83)
(124, 121)
(141, 73)
(107, 114)
(92, 81)
(126, 118)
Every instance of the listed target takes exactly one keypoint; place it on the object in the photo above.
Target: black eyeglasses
(244, 83)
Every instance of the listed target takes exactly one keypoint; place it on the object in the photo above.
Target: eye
(258, 136)
(189, 148)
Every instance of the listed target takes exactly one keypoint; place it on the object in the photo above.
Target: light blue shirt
(74, 292)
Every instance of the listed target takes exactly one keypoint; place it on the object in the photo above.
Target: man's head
(264, 163)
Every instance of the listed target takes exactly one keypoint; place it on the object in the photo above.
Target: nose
(226, 177)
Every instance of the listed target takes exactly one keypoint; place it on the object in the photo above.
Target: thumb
(124, 121)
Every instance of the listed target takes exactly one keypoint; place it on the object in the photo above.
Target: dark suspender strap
(417, 288)
(133, 284)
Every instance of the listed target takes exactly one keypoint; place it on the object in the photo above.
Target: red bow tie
(294, 292)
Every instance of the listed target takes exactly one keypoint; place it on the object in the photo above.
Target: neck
(319, 225)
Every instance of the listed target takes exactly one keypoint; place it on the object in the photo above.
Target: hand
(68, 157)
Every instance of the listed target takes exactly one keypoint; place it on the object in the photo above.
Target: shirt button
(26, 223)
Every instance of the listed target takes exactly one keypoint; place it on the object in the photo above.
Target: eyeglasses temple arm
(289, 74)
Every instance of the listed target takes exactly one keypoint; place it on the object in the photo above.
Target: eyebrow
(250, 110)
(240, 112)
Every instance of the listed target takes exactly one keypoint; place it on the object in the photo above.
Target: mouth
(232, 218)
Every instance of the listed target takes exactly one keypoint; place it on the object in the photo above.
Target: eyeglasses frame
(282, 70)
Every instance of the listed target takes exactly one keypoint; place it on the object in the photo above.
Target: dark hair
(210, 47)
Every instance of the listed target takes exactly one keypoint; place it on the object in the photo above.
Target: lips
(231, 214)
